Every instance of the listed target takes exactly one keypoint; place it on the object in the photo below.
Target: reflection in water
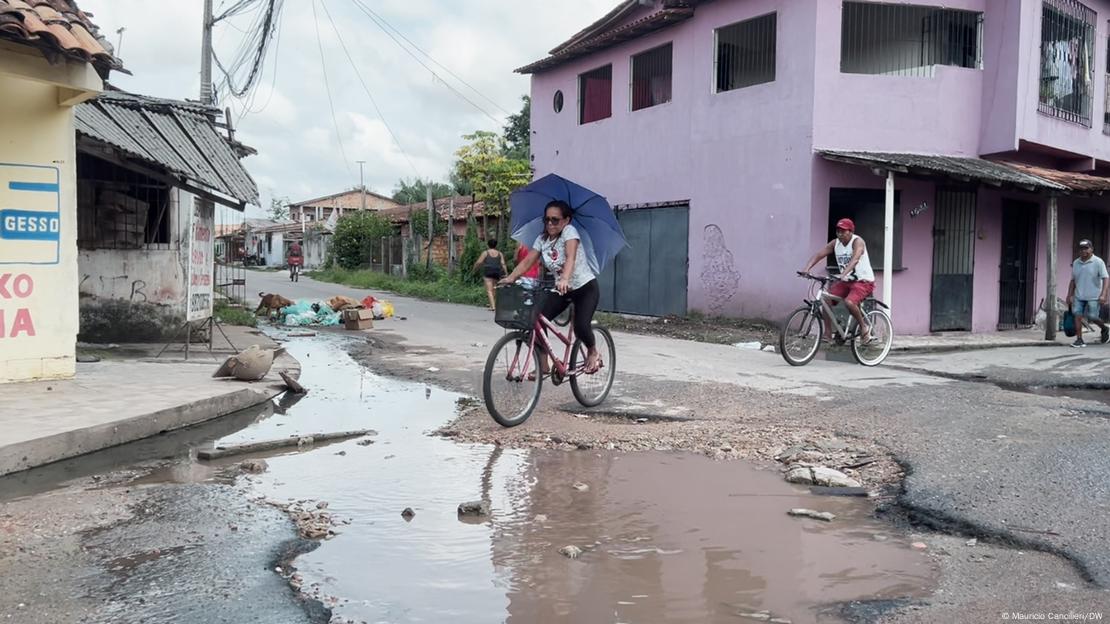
(665, 537)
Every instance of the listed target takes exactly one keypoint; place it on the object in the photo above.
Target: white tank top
(863, 271)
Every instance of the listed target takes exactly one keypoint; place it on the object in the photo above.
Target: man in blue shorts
(1088, 291)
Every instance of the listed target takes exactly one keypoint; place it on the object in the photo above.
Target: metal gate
(953, 260)
(649, 277)
(1019, 236)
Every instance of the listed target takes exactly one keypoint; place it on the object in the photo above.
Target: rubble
(474, 508)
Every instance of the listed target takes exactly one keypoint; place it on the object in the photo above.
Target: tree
(416, 191)
(472, 248)
(492, 175)
(279, 208)
(518, 132)
(355, 236)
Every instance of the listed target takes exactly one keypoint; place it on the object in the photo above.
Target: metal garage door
(649, 277)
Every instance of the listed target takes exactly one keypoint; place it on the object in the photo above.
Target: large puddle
(664, 537)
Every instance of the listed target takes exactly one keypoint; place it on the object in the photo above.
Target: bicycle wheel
(882, 336)
(591, 390)
(800, 337)
(510, 396)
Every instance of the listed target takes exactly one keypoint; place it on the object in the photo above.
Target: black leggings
(585, 304)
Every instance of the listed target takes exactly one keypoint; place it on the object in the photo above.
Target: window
(1067, 60)
(651, 77)
(120, 209)
(746, 53)
(908, 40)
(867, 208)
(557, 102)
(595, 95)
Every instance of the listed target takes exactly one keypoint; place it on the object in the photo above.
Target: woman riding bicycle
(560, 247)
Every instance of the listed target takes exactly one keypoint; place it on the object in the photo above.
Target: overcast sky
(300, 157)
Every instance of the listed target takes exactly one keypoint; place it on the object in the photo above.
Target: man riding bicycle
(857, 279)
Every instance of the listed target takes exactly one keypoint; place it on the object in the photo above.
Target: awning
(960, 168)
(177, 136)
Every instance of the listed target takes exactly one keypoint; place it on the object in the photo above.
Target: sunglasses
(552, 220)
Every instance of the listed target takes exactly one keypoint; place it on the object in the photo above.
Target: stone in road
(1023, 469)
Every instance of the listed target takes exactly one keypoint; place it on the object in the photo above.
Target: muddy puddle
(663, 537)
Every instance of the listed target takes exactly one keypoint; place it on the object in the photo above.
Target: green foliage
(416, 191)
(355, 235)
(420, 224)
(279, 208)
(442, 288)
(472, 248)
(518, 132)
(492, 175)
(234, 315)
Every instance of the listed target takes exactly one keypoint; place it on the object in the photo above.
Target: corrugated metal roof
(960, 167)
(171, 134)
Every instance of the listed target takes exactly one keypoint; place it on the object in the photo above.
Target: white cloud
(292, 127)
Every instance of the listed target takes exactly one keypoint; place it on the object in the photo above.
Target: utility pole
(451, 235)
(431, 225)
(361, 184)
(206, 56)
(1051, 320)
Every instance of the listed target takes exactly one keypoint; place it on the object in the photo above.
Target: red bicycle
(512, 380)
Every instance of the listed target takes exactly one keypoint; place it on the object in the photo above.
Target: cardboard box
(358, 319)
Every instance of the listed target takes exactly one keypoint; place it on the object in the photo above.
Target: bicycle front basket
(516, 307)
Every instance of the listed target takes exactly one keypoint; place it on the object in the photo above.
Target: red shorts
(855, 292)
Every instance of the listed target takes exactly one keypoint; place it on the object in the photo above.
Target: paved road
(986, 461)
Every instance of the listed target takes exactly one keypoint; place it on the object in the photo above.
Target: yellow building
(50, 61)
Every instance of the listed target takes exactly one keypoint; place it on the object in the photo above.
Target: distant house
(51, 59)
(319, 209)
(151, 173)
(734, 133)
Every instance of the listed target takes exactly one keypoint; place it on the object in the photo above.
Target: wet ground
(664, 537)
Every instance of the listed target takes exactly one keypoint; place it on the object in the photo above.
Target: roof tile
(56, 26)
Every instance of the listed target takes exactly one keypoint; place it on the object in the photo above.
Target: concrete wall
(742, 158)
(38, 295)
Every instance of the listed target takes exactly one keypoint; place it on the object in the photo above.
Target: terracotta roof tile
(56, 26)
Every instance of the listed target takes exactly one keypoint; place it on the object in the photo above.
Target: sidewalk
(966, 341)
(127, 396)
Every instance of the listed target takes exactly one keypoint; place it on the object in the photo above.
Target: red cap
(846, 224)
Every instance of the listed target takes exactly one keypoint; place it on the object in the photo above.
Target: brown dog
(271, 303)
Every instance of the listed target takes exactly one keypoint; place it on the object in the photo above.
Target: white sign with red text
(201, 224)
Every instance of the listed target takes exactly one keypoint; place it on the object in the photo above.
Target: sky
(301, 153)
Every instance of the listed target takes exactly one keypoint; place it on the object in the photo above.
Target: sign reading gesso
(200, 260)
(30, 234)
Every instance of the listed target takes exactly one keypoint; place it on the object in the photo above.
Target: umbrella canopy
(602, 237)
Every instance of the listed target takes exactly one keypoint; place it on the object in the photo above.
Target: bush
(355, 235)
(420, 272)
(472, 248)
(444, 288)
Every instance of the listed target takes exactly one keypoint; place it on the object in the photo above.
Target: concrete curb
(969, 347)
(41, 451)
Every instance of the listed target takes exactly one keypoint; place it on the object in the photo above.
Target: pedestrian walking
(492, 264)
(1088, 291)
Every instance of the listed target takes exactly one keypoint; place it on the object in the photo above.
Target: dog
(271, 303)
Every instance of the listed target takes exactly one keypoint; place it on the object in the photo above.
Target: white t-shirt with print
(554, 254)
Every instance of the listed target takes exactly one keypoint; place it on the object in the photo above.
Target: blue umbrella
(602, 237)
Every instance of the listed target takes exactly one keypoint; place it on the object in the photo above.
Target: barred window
(908, 40)
(1067, 60)
(651, 77)
(595, 95)
(745, 54)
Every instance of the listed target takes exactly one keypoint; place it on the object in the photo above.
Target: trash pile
(329, 313)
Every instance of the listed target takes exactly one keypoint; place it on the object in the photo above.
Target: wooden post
(1051, 321)
(386, 260)
(451, 235)
(888, 243)
(431, 222)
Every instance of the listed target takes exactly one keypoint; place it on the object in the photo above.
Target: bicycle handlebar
(816, 278)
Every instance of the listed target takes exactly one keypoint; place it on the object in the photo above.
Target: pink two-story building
(733, 133)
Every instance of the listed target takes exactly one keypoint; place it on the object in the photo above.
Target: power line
(253, 50)
(423, 64)
(434, 61)
(367, 89)
(327, 88)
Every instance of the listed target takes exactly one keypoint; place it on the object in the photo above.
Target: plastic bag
(1068, 324)
(387, 309)
(368, 302)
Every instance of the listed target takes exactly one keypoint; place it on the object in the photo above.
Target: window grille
(119, 208)
(651, 77)
(745, 54)
(908, 40)
(1067, 60)
(595, 95)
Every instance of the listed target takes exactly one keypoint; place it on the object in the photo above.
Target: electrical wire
(253, 50)
(458, 93)
(327, 88)
(373, 101)
(433, 60)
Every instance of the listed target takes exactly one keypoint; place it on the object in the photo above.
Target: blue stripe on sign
(30, 225)
(41, 187)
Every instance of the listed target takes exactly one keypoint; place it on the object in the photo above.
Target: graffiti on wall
(719, 276)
